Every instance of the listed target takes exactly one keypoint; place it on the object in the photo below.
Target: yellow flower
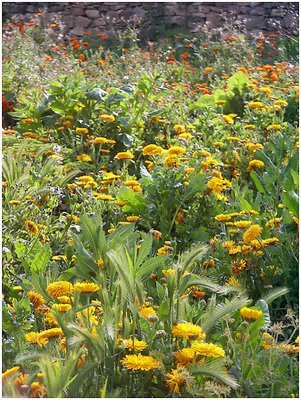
(100, 263)
(64, 299)
(31, 228)
(20, 381)
(135, 344)
(250, 127)
(124, 155)
(242, 224)
(171, 161)
(270, 241)
(139, 362)
(255, 104)
(250, 314)
(228, 119)
(35, 298)
(223, 217)
(62, 307)
(217, 185)
(186, 136)
(254, 164)
(274, 127)
(179, 129)
(273, 222)
(81, 131)
(103, 140)
(147, 312)
(54, 332)
(156, 234)
(86, 287)
(10, 372)
(84, 158)
(253, 146)
(132, 218)
(35, 338)
(14, 202)
(152, 150)
(187, 330)
(59, 288)
(176, 150)
(185, 356)
(163, 251)
(104, 197)
(207, 349)
(281, 103)
(168, 272)
(176, 378)
(252, 233)
(37, 390)
(107, 118)
(220, 102)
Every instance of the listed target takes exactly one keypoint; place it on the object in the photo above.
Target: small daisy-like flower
(49, 333)
(86, 287)
(35, 298)
(250, 314)
(140, 363)
(31, 228)
(187, 330)
(252, 233)
(62, 307)
(135, 344)
(207, 349)
(124, 155)
(253, 164)
(35, 338)
(107, 118)
(59, 288)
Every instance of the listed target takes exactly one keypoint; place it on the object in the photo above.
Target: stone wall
(96, 17)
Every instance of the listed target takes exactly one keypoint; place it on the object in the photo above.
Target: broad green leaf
(239, 80)
(291, 201)
(41, 259)
(257, 182)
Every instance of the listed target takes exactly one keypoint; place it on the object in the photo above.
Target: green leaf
(291, 201)
(204, 101)
(41, 259)
(67, 275)
(136, 203)
(150, 266)
(239, 80)
(257, 182)
(266, 313)
(156, 112)
(145, 247)
(274, 294)
(97, 94)
(163, 310)
(192, 279)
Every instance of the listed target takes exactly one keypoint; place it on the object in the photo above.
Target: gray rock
(30, 9)
(92, 13)
(256, 22)
(257, 11)
(77, 11)
(177, 20)
(276, 12)
(77, 31)
(139, 12)
(81, 22)
(68, 20)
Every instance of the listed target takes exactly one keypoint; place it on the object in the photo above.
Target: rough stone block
(68, 20)
(92, 13)
(256, 23)
(139, 12)
(276, 12)
(81, 22)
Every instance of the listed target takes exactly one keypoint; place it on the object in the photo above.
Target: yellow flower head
(175, 379)
(187, 330)
(59, 288)
(135, 344)
(171, 161)
(81, 131)
(140, 363)
(103, 140)
(152, 150)
(281, 103)
(207, 349)
(35, 338)
(179, 129)
(176, 150)
(255, 104)
(31, 228)
(49, 333)
(124, 155)
(185, 356)
(35, 298)
(250, 314)
(10, 372)
(217, 185)
(107, 118)
(147, 312)
(64, 299)
(252, 233)
(86, 287)
(242, 224)
(274, 127)
(62, 307)
(253, 164)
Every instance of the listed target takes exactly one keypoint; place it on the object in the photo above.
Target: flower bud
(160, 333)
